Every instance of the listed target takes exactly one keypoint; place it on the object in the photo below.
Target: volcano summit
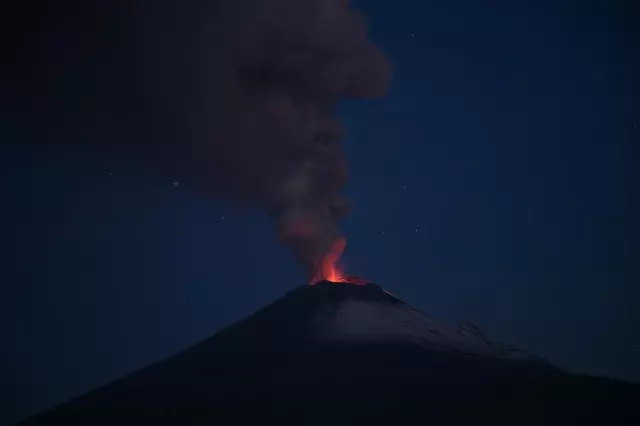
(336, 353)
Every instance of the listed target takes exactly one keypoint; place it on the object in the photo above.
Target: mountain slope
(347, 354)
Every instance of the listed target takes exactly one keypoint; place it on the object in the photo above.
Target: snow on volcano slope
(387, 319)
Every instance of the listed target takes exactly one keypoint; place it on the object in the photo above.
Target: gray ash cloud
(234, 98)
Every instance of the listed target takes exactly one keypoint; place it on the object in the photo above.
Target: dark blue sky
(494, 184)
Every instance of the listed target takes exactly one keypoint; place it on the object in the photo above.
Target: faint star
(175, 183)
(110, 173)
(222, 217)
(417, 229)
(413, 35)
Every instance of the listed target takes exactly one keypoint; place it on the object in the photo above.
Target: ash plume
(232, 97)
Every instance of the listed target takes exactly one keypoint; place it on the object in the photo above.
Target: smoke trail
(233, 97)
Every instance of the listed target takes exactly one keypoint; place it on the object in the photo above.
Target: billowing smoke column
(299, 57)
(234, 97)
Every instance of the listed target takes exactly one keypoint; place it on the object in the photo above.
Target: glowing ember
(329, 269)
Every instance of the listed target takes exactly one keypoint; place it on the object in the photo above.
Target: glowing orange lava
(329, 269)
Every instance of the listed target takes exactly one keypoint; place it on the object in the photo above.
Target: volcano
(337, 353)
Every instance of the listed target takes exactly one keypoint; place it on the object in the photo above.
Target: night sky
(494, 183)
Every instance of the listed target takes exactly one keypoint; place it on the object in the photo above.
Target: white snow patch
(356, 320)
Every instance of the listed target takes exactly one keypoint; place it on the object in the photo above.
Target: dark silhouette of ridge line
(336, 353)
